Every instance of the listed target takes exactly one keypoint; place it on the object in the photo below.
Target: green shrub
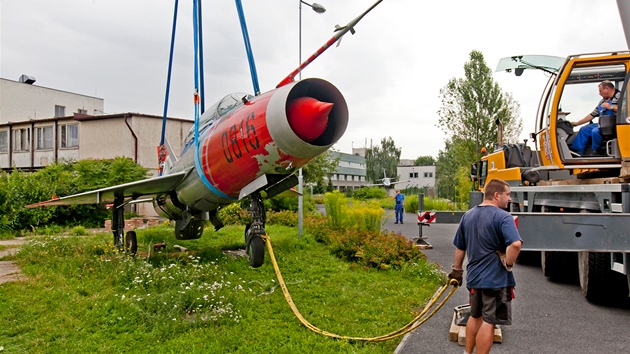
(79, 231)
(411, 203)
(234, 214)
(334, 202)
(318, 198)
(369, 193)
(279, 203)
(353, 233)
(363, 216)
(285, 218)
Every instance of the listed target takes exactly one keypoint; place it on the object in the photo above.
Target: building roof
(87, 117)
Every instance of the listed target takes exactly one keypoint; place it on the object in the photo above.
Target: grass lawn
(84, 296)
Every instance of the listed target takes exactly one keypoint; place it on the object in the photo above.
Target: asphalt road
(547, 317)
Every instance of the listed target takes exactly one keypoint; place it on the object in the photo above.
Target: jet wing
(408, 180)
(144, 188)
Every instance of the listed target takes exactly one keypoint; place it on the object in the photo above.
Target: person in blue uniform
(607, 106)
(399, 208)
(488, 237)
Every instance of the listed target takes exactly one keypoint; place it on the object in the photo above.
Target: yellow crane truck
(574, 209)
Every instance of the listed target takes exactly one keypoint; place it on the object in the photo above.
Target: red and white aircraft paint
(242, 145)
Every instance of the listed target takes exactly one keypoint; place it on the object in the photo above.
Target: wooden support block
(498, 335)
(458, 334)
(454, 331)
(461, 337)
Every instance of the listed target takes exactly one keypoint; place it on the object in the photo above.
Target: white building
(23, 101)
(40, 126)
(418, 176)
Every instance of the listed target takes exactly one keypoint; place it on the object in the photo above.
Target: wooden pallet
(458, 333)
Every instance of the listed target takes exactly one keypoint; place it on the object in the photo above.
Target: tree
(319, 168)
(61, 179)
(382, 157)
(446, 170)
(424, 161)
(470, 108)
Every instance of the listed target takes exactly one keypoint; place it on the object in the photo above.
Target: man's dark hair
(494, 186)
(607, 84)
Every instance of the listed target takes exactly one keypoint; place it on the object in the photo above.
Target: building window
(415, 175)
(69, 135)
(60, 111)
(4, 142)
(430, 174)
(82, 111)
(44, 138)
(22, 139)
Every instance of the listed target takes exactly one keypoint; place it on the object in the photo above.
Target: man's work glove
(457, 274)
(505, 265)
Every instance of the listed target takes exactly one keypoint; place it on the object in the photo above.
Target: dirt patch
(9, 271)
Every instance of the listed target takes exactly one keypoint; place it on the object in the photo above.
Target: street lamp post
(319, 9)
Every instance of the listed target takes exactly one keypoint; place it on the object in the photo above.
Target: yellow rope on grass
(412, 325)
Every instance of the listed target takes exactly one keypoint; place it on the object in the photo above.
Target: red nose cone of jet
(308, 117)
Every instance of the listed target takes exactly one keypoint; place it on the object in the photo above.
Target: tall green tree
(319, 168)
(446, 170)
(382, 157)
(470, 108)
(424, 161)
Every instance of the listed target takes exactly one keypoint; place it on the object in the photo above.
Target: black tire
(256, 252)
(559, 266)
(247, 227)
(599, 283)
(131, 242)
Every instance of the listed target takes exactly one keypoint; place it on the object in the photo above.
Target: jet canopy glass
(222, 108)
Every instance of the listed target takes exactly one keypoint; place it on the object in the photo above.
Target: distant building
(350, 173)
(22, 101)
(40, 126)
(418, 176)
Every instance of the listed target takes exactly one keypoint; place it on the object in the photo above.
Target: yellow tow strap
(413, 324)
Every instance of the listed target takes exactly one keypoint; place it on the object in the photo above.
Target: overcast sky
(390, 71)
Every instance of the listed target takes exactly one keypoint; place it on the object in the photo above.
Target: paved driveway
(548, 317)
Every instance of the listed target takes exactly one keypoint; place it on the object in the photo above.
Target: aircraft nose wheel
(255, 248)
(254, 245)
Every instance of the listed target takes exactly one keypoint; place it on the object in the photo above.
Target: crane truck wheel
(599, 283)
(558, 266)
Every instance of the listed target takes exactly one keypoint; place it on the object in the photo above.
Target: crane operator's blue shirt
(482, 231)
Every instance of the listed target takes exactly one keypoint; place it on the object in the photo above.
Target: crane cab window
(580, 93)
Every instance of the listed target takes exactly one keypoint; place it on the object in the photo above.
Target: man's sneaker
(396, 222)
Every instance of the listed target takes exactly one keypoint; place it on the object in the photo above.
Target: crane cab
(571, 93)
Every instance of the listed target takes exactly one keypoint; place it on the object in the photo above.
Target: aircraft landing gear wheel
(131, 242)
(256, 251)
